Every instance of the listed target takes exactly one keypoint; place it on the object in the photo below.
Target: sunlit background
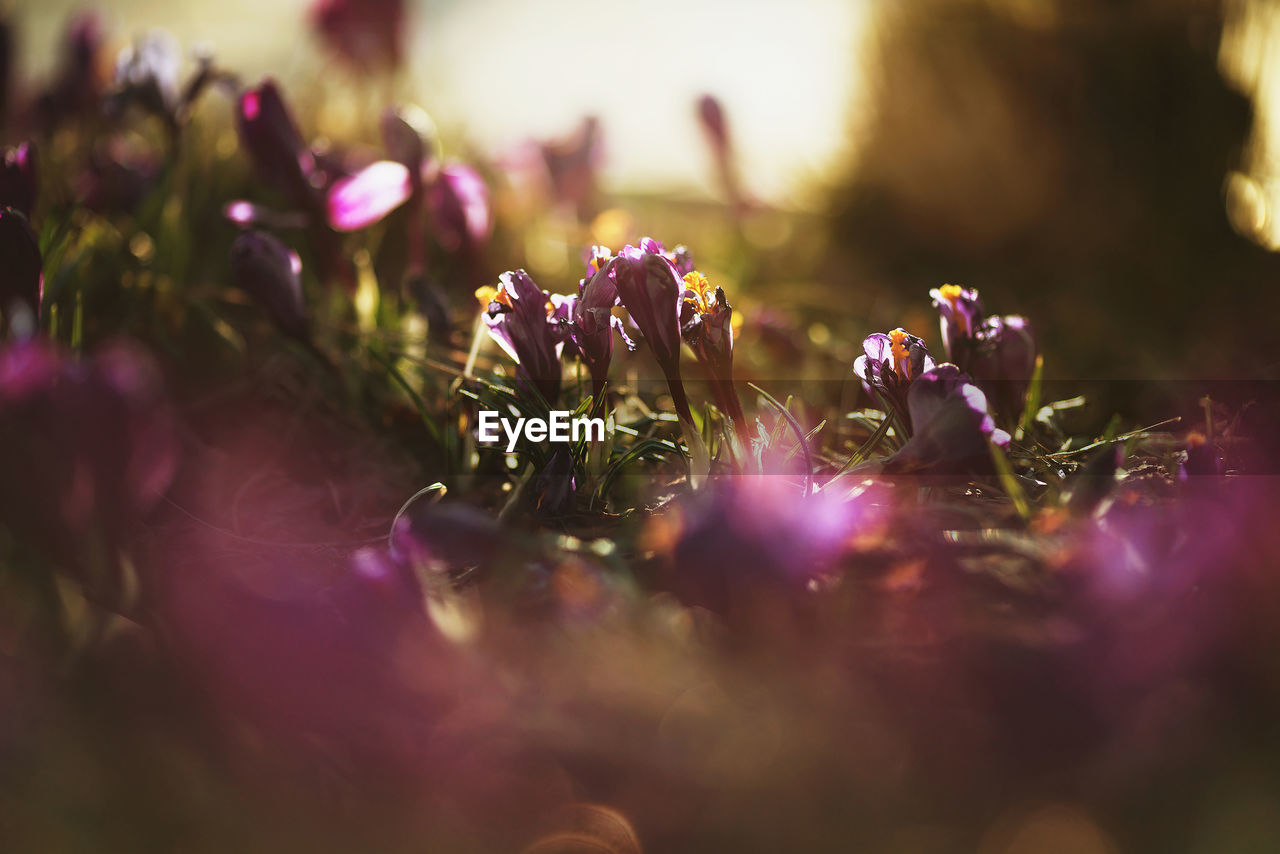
(505, 70)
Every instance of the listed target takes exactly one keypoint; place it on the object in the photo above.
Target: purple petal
(369, 195)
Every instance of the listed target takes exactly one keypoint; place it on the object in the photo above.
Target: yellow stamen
(488, 293)
(898, 349)
(952, 294)
(703, 298)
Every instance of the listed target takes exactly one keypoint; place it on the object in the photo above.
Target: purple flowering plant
(257, 557)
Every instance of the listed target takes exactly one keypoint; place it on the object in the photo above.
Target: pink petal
(367, 196)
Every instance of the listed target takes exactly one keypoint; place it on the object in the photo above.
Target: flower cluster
(946, 410)
(998, 352)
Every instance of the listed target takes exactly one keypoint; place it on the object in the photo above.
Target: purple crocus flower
(366, 34)
(1003, 361)
(458, 201)
(271, 272)
(716, 129)
(961, 314)
(22, 279)
(706, 324)
(518, 316)
(952, 428)
(889, 366)
(66, 486)
(407, 136)
(999, 352)
(571, 165)
(271, 136)
(652, 290)
(750, 542)
(283, 159)
(18, 178)
(591, 323)
(77, 87)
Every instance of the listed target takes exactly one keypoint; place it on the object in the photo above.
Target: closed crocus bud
(271, 137)
(711, 117)
(1003, 361)
(591, 320)
(18, 180)
(518, 314)
(961, 315)
(652, 290)
(271, 273)
(408, 135)
(571, 168)
(952, 428)
(366, 34)
(65, 486)
(77, 88)
(21, 279)
(459, 203)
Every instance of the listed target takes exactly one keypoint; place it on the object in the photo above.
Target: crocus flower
(271, 136)
(951, 427)
(716, 129)
(1003, 361)
(270, 272)
(283, 159)
(705, 323)
(458, 201)
(22, 279)
(998, 352)
(751, 541)
(367, 34)
(519, 317)
(890, 364)
(650, 286)
(64, 485)
(590, 321)
(652, 290)
(77, 86)
(407, 135)
(18, 178)
(961, 314)
(571, 165)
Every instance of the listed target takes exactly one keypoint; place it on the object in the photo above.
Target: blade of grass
(799, 431)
